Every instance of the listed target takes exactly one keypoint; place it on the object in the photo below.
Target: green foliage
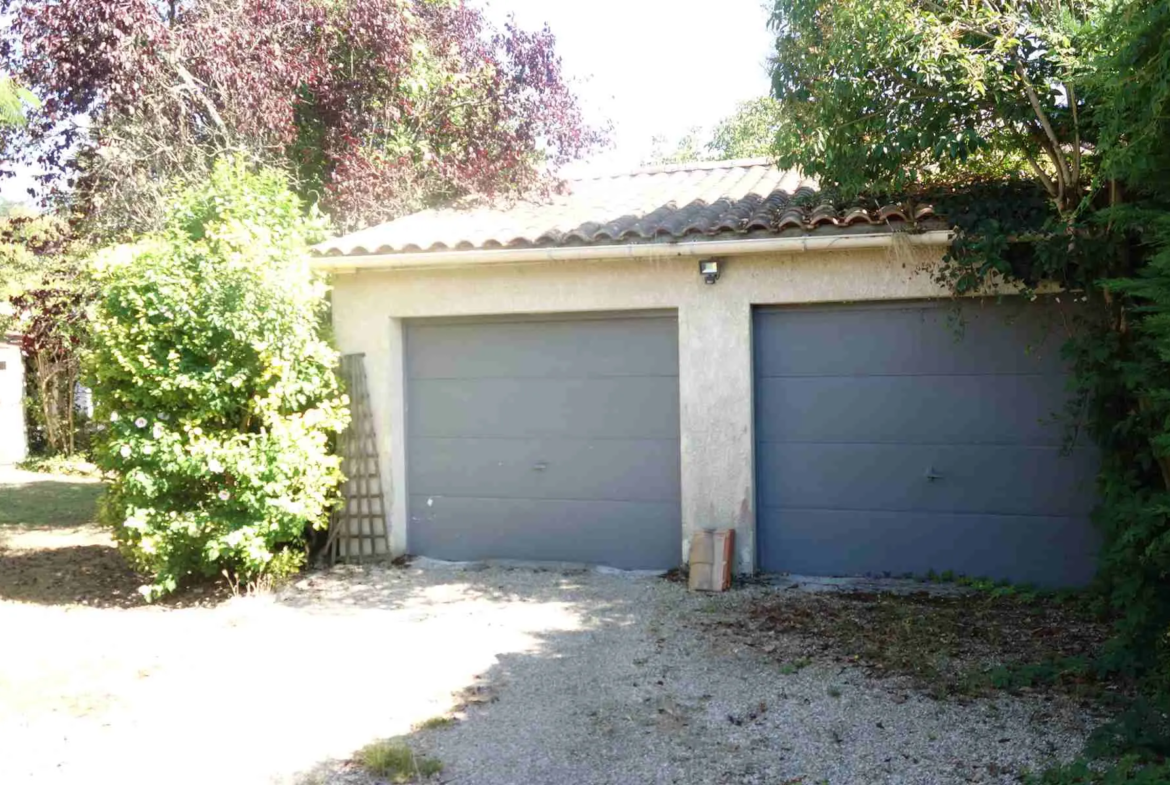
(395, 762)
(1129, 75)
(217, 392)
(29, 246)
(440, 722)
(1143, 729)
(1124, 368)
(897, 93)
(795, 666)
(1130, 770)
(687, 149)
(13, 101)
(45, 296)
(1062, 670)
(749, 132)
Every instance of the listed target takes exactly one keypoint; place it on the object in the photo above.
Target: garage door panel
(616, 469)
(856, 404)
(995, 338)
(913, 409)
(544, 439)
(633, 407)
(632, 346)
(1060, 550)
(626, 535)
(892, 477)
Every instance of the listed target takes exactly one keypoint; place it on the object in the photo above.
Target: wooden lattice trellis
(358, 529)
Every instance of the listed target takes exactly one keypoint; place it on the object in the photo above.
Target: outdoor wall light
(709, 269)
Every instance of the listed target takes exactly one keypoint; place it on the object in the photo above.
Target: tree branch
(1058, 159)
(1039, 170)
(1071, 95)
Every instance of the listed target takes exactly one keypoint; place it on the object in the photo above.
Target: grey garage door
(890, 442)
(549, 440)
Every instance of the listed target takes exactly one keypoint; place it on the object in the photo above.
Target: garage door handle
(932, 475)
(539, 467)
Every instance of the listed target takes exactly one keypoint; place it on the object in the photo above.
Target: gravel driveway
(572, 677)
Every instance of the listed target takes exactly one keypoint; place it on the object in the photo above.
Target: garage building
(595, 376)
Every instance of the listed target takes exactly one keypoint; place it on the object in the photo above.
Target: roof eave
(692, 248)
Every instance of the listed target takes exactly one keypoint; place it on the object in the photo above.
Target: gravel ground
(634, 692)
(555, 677)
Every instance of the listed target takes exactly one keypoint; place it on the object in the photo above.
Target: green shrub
(217, 393)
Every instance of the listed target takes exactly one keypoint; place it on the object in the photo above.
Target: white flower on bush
(113, 416)
(140, 422)
(157, 430)
(224, 496)
(163, 416)
(125, 451)
(147, 449)
(215, 466)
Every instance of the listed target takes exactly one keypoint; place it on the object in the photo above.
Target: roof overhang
(661, 251)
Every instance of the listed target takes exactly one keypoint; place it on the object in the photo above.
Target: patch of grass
(49, 503)
(833, 691)
(395, 762)
(435, 723)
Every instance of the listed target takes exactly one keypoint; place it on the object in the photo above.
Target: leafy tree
(889, 94)
(686, 149)
(45, 296)
(216, 390)
(749, 132)
(375, 106)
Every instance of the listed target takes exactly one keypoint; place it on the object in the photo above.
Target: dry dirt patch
(957, 644)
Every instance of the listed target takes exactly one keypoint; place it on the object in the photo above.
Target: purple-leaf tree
(374, 106)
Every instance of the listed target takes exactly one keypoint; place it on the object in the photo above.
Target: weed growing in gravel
(795, 666)
(833, 691)
(435, 723)
(392, 760)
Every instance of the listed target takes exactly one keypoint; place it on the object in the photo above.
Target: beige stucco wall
(12, 433)
(715, 345)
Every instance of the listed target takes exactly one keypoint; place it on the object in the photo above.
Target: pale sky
(653, 67)
(649, 67)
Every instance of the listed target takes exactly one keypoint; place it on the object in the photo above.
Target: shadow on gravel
(528, 715)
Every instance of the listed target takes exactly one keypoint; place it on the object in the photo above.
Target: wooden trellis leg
(358, 529)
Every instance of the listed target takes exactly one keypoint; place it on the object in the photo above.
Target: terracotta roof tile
(720, 199)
